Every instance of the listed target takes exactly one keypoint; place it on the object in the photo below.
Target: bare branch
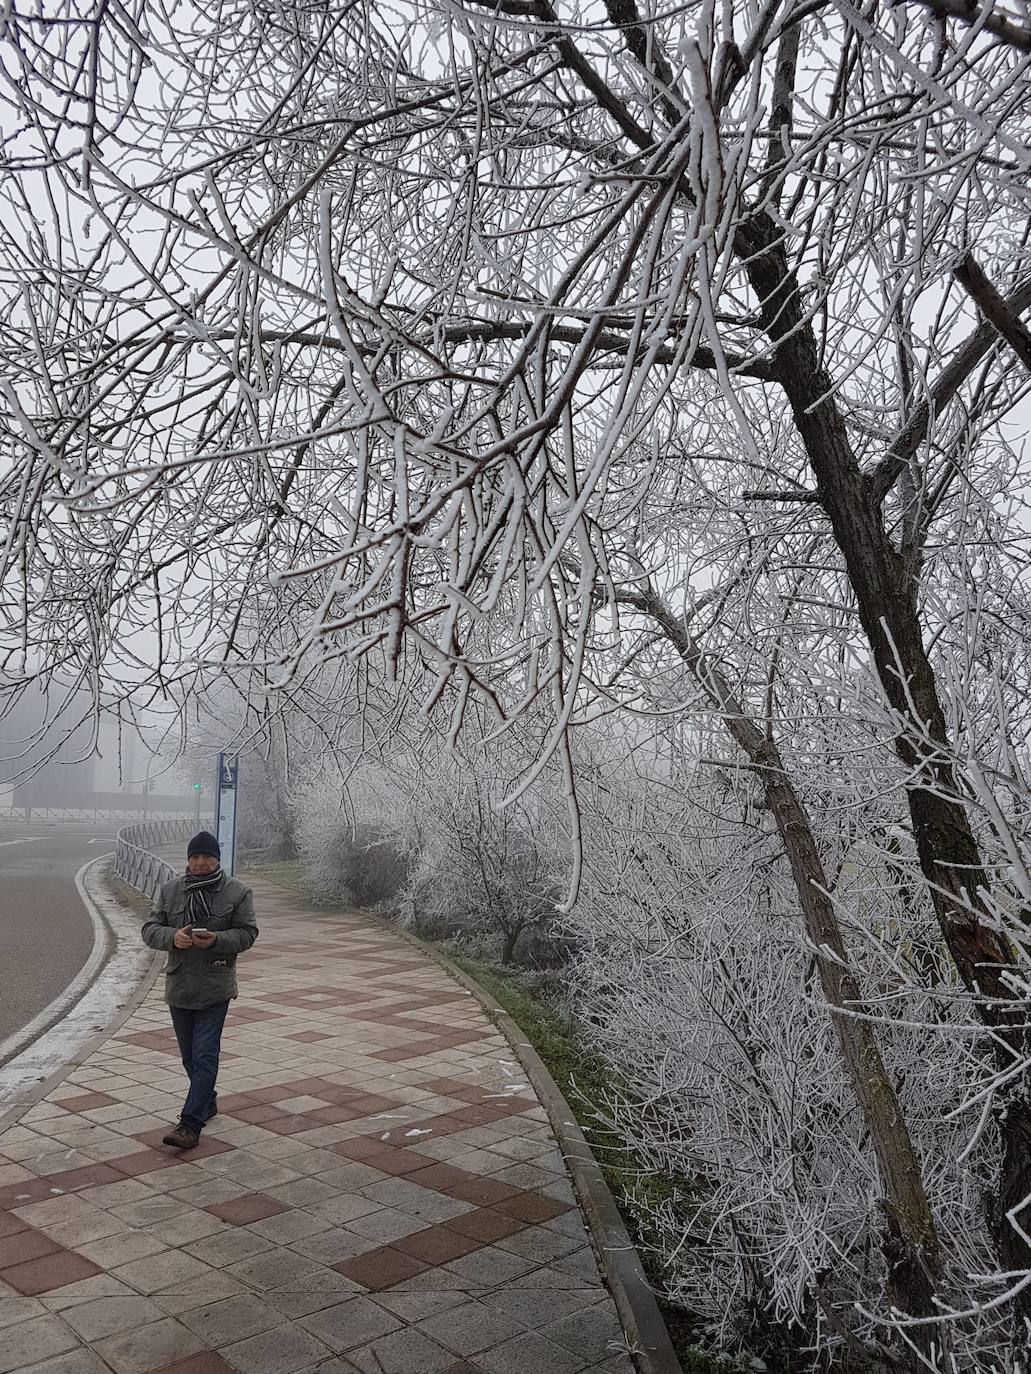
(988, 20)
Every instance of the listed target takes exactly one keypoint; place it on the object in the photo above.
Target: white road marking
(27, 839)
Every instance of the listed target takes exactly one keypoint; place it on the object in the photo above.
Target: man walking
(203, 920)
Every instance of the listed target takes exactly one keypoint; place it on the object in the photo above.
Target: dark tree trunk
(885, 584)
(909, 1239)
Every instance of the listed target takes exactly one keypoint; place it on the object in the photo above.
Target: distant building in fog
(46, 769)
(67, 778)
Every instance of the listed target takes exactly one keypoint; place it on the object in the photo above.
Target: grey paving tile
(31, 1341)
(199, 1292)
(425, 1203)
(150, 1211)
(110, 1316)
(162, 1273)
(527, 1176)
(149, 1347)
(120, 1249)
(406, 1351)
(595, 1332)
(229, 1246)
(78, 1361)
(528, 1352)
(331, 1246)
(472, 1327)
(282, 1350)
(543, 1306)
(345, 1208)
(274, 1269)
(302, 1192)
(549, 1279)
(387, 1224)
(539, 1244)
(289, 1227)
(580, 1264)
(490, 1266)
(187, 1228)
(348, 1324)
(17, 1309)
(231, 1319)
(416, 1307)
(85, 1290)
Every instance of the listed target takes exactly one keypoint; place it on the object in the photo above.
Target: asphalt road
(46, 931)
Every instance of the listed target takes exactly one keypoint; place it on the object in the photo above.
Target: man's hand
(203, 941)
(183, 939)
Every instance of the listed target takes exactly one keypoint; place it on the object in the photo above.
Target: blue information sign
(225, 810)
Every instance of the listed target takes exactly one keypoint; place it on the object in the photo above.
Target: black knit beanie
(204, 843)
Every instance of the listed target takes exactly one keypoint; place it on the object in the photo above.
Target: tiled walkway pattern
(381, 1191)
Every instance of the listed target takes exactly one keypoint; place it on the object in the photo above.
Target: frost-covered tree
(546, 346)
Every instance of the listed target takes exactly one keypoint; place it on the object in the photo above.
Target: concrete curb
(650, 1344)
(87, 1046)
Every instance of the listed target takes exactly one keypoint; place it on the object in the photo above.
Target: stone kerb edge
(651, 1347)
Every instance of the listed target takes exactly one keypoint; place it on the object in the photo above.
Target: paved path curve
(382, 1192)
(47, 933)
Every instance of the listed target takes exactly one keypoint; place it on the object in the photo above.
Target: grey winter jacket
(198, 978)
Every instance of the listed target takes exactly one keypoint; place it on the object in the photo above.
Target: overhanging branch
(909, 438)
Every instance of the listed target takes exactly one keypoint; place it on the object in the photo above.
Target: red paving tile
(205, 1363)
(25, 1245)
(145, 1162)
(209, 1144)
(85, 1102)
(379, 1269)
(484, 1192)
(485, 1225)
(50, 1272)
(332, 1116)
(231, 1102)
(532, 1207)
(442, 1177)
(292, 1124)
(32, 1190)
(396, 1162)
(88, 1176)
(242, 1211)
(360, 1148)
(438, 1244)
(276, 1094)
(10, 1224)
(254, 1115)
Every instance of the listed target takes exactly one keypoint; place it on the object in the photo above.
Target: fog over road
(46, 930)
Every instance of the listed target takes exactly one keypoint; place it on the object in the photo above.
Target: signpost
(225, 810)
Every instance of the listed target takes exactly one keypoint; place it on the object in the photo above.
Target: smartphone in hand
(199, 930)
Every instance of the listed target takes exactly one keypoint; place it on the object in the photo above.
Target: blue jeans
(200, 1038)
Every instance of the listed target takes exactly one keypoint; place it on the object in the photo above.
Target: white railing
(135, 863)
(25, 815)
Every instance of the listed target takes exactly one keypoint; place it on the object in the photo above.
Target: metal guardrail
(136, 865)
(25, 815)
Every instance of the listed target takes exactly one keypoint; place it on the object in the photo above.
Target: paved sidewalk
(381, 1191)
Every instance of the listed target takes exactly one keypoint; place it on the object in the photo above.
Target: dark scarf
(198, 903)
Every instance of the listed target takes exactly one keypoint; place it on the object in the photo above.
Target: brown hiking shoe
(182, 1137)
